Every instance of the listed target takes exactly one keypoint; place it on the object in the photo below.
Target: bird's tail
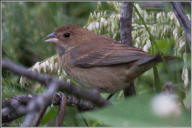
(146, 63)
(159, 58)
(156, 59)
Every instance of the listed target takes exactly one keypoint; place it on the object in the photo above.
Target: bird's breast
(106, 79)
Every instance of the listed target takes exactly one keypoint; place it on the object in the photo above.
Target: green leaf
(70, 118)
(165, 45)
(135, 111)
(50, 115)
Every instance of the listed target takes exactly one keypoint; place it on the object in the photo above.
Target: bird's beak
(51, 38)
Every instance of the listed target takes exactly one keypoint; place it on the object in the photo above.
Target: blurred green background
(26, 24)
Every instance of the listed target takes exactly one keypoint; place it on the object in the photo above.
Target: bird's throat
(60, 50)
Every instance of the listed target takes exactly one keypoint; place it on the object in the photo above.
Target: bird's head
(68, 36)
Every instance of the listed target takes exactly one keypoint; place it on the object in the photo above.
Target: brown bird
(99, 62)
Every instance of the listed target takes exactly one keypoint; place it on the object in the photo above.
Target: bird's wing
(107, 54)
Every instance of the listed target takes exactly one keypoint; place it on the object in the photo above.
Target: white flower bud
(147, 46)
(103, 21)
(166, 105)
(175, 33)
(185, 77)
(158, 15)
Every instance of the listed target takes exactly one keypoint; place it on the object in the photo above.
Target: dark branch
(126, 23)
(40, 115)
(62, 108)
(91, 95)
(183, 19)
(11, 108)
(126, 37)
(37, 105)
(12, 112)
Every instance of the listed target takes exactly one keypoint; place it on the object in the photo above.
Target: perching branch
(11, 108)
(39, 104)
(14, 108)
(70, 88)
(183, 19)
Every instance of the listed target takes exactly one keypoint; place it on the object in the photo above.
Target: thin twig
(40, 116)
(62, 108)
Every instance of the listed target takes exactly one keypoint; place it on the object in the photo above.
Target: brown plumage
(97, 61)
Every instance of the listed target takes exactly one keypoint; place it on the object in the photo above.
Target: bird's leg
(130, 90)
(108, 98)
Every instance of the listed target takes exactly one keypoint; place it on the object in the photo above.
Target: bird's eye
(66, 35)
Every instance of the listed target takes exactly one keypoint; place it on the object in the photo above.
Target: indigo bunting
(99, 62)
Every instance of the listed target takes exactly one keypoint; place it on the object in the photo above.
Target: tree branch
(37, 105)
(126, 37)
(91, 95)
(11, 108)
(126, 22)
(40, 115)
(183, 19)
(62, 108)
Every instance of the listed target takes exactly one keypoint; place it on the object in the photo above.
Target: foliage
(136, 111)
(25, 46)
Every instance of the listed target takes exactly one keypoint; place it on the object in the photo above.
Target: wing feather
(111, 54)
